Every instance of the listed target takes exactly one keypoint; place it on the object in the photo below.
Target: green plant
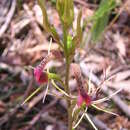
(69, 44)
(101, 17)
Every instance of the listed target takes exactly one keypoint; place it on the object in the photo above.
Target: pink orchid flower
(40, 76)
(83, 98)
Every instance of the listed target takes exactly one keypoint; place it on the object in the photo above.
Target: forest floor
(24, 42)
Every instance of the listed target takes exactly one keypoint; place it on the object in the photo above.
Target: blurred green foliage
(101, 17)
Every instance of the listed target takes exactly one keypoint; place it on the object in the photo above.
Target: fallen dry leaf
(125, 85)
(122, 76)
(120, 44)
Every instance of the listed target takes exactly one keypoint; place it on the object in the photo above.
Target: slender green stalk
(68, 91)
(65, 41)
(67, 76)
(69, 109)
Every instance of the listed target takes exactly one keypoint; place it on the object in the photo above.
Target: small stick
(8, 18)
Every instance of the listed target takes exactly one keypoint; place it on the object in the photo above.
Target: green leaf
(101, 18)
(78, 37)
(65, 10)
(53, 1)
(46, 23)
(49, 28)
(99, 27)
(105, 7)
(68, 13)
(60, 7)
(79, 28)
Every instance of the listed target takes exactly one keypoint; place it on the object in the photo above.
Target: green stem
(67, 90)
(65, 41)
(67, 76)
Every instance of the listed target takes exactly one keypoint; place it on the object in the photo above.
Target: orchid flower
(88, 97)
(84, 98)
(40, 76)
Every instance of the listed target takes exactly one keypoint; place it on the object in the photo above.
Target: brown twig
(99, 123)
(36, 29)
(34, 101)
(8, 18)
(118, 69)
(36, 118)
(9, 115)
(28, 90)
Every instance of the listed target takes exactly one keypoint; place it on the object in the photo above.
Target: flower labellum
(40, 76)
(83, 98)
